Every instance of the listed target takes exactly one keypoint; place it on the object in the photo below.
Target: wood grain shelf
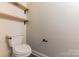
(11, 17)
(17, 4)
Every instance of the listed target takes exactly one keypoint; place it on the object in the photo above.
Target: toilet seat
(22, 49)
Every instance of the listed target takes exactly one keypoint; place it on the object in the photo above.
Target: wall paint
(8, 27)
(56, 22)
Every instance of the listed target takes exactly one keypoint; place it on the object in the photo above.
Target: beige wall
(56, 22)
(8, 27)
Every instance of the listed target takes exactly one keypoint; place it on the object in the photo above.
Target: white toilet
(19, 48)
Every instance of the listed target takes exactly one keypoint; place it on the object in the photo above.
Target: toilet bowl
(19, 48)
(22, 50)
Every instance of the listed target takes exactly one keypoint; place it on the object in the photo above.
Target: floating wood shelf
(11, 17)
(19, 5)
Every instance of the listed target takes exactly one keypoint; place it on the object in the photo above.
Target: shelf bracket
(25, 22)
(25, 11)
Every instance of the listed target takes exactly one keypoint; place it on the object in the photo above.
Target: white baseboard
(38, 54)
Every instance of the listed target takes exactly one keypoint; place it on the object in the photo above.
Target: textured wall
(56, 22)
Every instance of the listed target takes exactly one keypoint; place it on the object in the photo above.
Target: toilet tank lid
(23, 48)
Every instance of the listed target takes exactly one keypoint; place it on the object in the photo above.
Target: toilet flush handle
(8, 37)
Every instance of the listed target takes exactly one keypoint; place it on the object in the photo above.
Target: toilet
(19, 48)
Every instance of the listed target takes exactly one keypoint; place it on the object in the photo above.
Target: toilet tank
(16, 40)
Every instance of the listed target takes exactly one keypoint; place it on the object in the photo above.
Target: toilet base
(21, 55)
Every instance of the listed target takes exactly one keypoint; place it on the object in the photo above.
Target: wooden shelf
(17, 4)
(11, 17)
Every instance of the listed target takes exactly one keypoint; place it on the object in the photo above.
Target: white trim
(38, 54)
